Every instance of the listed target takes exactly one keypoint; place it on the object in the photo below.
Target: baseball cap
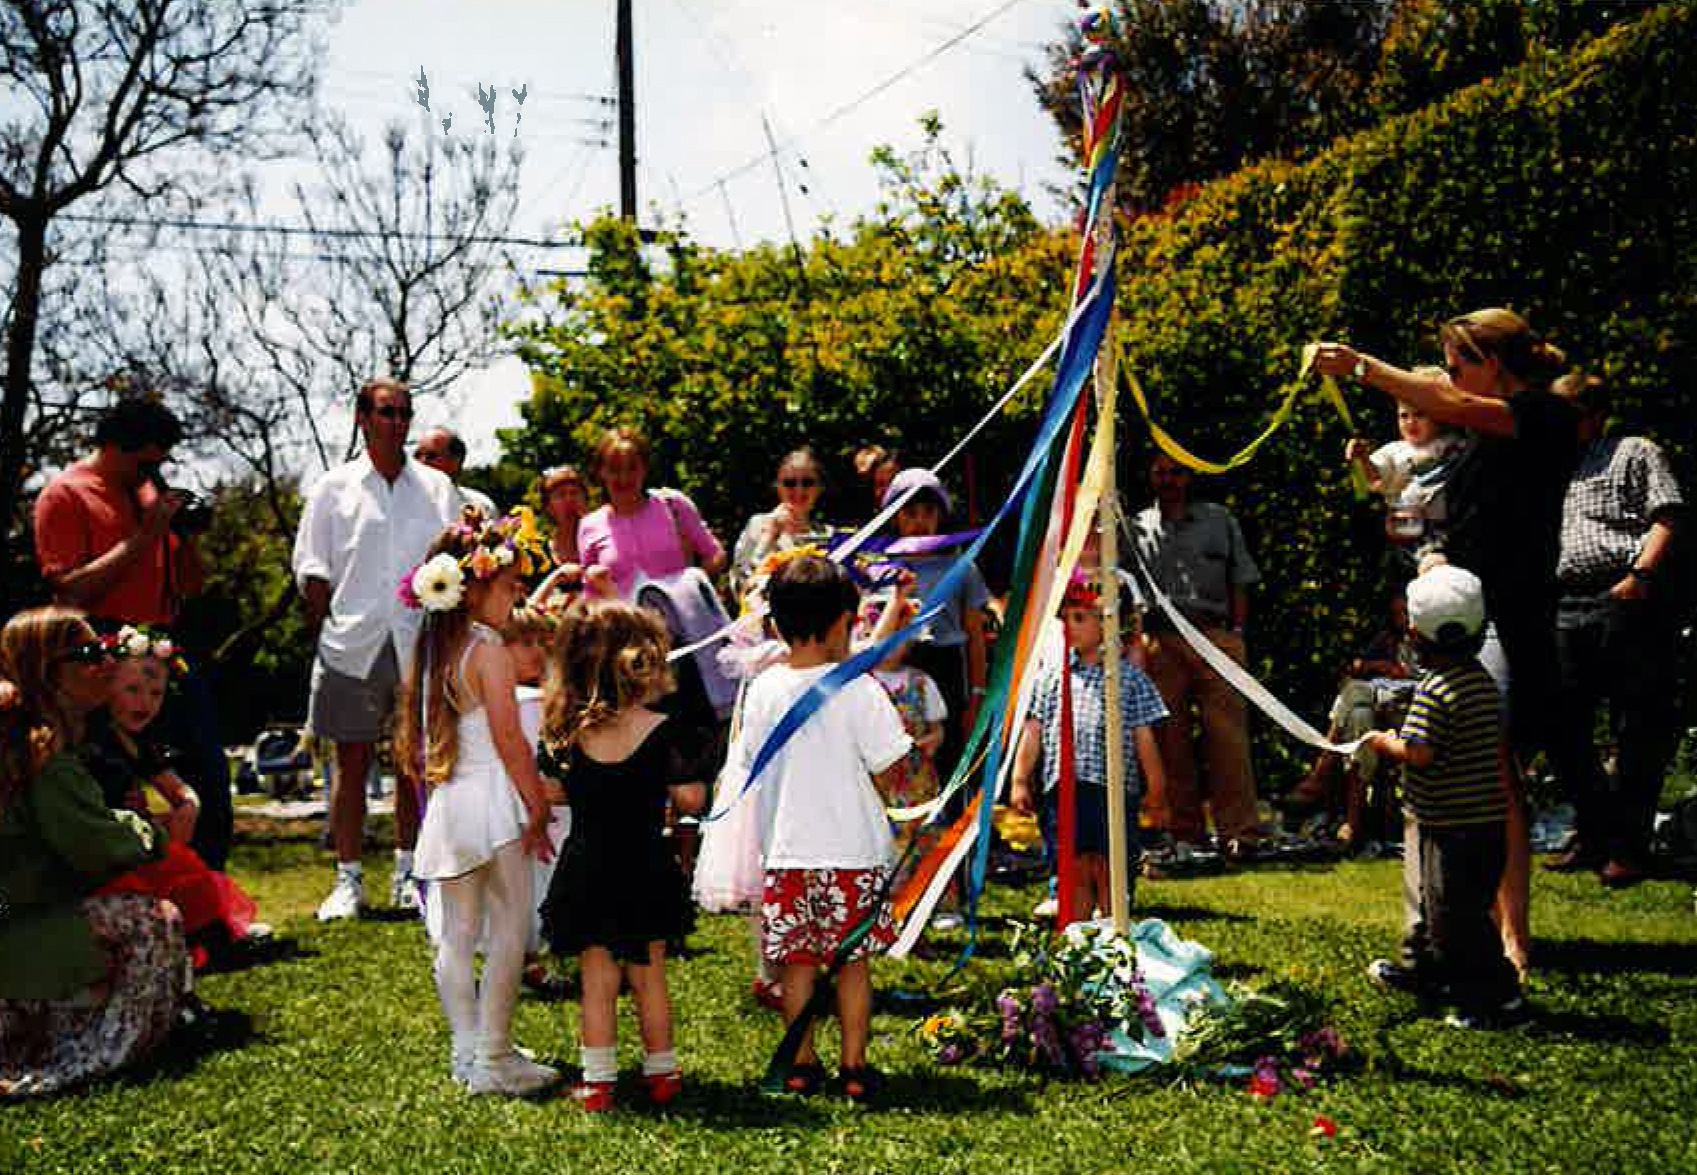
(924, 479)
(1447, 605)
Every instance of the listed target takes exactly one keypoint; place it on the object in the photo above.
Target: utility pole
(626, 49)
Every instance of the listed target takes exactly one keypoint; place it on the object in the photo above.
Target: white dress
(477, 810)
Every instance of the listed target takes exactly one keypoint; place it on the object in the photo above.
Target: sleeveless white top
(477, 810)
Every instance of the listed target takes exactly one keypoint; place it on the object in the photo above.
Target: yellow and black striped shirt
(1456, 712)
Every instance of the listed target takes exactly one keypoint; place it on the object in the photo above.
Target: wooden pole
(1108, 523)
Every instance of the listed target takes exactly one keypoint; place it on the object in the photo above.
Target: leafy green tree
(922, 311)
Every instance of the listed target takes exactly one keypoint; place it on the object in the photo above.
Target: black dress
(618, 884)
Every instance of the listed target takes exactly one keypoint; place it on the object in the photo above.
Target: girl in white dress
(488, 812)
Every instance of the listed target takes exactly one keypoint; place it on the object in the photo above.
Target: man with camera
(114, 540)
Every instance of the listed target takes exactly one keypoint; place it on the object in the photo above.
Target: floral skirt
(50, 1045)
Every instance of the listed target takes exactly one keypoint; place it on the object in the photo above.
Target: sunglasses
(392, 412)
(88, 653)
(798, 483)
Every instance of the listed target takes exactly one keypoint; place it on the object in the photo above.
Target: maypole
(1101, 93)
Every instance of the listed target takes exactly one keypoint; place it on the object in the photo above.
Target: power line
(295, 230)
(853, 104)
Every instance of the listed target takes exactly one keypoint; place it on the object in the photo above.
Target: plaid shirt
(1618, 488)
(1140, 705)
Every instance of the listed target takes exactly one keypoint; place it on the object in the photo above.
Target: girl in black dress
(617, 896)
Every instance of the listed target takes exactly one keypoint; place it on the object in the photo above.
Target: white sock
(656, 1064)
(350, 869)
(600, 1064)
(403, 861)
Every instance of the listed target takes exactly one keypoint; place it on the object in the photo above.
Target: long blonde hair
(40, 724)
(608, 656)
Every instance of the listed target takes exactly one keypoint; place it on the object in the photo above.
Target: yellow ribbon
(1171, 447)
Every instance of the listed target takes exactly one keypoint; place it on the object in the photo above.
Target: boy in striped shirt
(1451, 748)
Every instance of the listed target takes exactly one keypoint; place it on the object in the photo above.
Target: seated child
(1378, 682)
(1410, 474)
(1040, 745)
(826, 840)
(133, 772)
(1455, 801)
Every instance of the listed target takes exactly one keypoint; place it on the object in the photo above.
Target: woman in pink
(639, 531)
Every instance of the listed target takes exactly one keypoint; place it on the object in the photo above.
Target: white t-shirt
(1413, 475)
(818, 807)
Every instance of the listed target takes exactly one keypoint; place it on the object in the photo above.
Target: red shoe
(596, 1097)
(769, 995)
(663, 1088)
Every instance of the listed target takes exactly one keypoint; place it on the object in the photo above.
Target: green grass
(344, 1064)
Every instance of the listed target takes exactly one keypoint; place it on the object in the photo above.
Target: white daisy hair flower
(136, 644)
(439, 584)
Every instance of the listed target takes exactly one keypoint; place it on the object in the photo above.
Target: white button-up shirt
(361, 533)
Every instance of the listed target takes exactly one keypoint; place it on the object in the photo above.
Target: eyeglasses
(798, 483)
(392, 412)
(93, 652)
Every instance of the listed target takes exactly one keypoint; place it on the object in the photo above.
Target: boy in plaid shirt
(1040, 744)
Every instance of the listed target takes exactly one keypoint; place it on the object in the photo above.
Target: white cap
(1447, 604)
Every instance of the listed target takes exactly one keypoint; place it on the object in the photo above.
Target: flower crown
(483, 547)
(136, 641)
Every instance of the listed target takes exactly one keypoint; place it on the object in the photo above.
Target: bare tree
(401, 269)
(131, 93)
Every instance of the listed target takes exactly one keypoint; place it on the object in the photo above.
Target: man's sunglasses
(798, 483)
(392, 412)
(88, 653)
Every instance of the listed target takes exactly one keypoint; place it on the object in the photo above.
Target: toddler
(1451, 749)
(1040, 745)
(1410, 473)
(826, 839)
(618, 896)
(488, 812)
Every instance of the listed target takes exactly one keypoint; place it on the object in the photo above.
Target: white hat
(1447, 604)
(924, 479)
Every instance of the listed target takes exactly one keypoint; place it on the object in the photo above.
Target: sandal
(805, 1080)
(862, 1083)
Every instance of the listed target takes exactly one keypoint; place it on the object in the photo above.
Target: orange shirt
(79, 517)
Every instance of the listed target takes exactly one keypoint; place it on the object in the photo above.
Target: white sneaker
(403, 892)
(947, 920)
(511, 1075)
(346, 900)
(461, 1063)
(1047, 908)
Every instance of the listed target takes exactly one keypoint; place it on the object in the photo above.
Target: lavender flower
(1043, 999)
(1147, 1013)
(951, 1054)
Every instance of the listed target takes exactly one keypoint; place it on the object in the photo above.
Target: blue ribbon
(1076, 359)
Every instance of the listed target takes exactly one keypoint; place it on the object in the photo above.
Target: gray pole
(627, 114)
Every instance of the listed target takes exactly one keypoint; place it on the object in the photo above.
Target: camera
(193, 517)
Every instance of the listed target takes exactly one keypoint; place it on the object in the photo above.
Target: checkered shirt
(1618, 488)
(1140, 705)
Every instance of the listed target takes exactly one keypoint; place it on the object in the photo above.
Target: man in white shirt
(441, 448)
(366, 524)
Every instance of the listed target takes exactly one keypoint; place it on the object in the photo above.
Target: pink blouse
(646, 542)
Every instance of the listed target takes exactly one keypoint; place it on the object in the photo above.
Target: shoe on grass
(769, 994)
(595, 1097)
(1047, 908)
(1511, 1013)
(1395, 977)
(403, 892)
(947, 920)
(511, 1075)
(346, 899)
(663, 1088)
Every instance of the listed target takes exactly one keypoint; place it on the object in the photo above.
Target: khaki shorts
(347, 709)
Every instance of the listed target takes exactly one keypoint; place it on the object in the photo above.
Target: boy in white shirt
(827, 841)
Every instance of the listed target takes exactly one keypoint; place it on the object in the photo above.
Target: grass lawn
(343, 1064)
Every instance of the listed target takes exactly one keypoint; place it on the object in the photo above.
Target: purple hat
(924, 480)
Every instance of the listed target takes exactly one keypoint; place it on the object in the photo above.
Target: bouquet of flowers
(1067, 997)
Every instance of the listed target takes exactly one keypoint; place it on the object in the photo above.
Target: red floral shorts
(806, 913)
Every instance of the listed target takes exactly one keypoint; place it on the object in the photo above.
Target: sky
(834, 81)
